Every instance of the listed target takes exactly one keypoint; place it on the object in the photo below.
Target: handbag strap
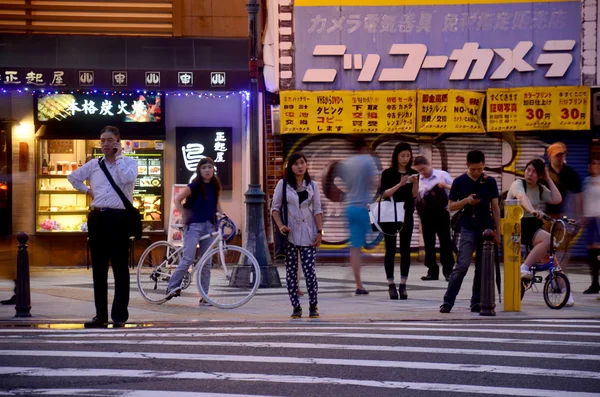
(117, 189)
(284, 204)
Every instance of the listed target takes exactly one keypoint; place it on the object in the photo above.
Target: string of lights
(201, 95)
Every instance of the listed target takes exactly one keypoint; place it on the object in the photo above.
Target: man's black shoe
(594, 289)
(96, 323)
(447, 278)
(445, 308)
(429, 277)
(475, 308)
(11, 301)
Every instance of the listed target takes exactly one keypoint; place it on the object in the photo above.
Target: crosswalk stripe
(117, 334)
(560, 320)
(118, 393)
(493, 328)
(327, 346)
(293, 379)
(499, 369)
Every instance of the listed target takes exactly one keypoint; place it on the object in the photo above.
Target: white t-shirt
(532, 193)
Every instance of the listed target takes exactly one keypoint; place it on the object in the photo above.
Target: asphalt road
(551, 358)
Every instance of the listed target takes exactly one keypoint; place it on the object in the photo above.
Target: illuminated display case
(60, 208)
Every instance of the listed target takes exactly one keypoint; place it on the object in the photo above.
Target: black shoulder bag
(133, 221)
(280, 240)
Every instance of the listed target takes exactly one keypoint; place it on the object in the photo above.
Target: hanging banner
(343, 112)
(538, 108)
(450, 111)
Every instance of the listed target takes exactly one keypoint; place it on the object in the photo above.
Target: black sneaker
(445, 308)
(173, 293)
(393, 291)
(297, 313)
(361, 291)
(96, 323)
(475, 308)
(313, 312)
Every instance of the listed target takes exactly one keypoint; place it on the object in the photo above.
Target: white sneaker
(570, 301)
(526, 272)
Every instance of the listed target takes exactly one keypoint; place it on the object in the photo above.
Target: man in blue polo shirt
(476, 195)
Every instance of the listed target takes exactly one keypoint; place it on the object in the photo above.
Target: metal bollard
(488, 297)
(23, 301)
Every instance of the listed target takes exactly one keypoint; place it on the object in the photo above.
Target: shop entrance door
(5, 180)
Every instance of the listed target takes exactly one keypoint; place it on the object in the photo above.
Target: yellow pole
(513, 212)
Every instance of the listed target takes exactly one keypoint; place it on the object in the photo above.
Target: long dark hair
(289, 173)
(214, 181)
(402, 146)
(540, 168)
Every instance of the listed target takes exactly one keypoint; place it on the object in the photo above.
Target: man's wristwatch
(320, 231)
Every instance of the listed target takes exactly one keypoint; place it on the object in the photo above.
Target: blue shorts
(359, 223)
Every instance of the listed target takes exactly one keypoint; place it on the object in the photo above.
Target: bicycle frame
(549, 266)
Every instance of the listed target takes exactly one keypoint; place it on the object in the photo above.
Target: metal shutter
(322, 150)
(530, 146)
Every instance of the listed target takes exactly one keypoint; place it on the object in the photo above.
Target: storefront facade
(449, 57)
(170, 117)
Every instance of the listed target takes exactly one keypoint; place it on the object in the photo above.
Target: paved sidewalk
(65, 295)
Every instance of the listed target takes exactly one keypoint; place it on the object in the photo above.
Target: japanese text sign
(415, 44)
(450, 111)
(538, 108)
(109, 109)
(195, 143)
(347, 111)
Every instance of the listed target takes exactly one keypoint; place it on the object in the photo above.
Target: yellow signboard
(451, 111)
(538, 108)
(343, 112)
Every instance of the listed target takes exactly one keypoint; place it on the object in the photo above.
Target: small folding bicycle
(556, 287)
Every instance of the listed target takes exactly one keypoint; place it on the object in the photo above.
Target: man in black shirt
(566, 180)
(568, 183)
(473, 193)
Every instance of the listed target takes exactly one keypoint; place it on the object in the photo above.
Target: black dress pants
(391, 244)
(109, 242)
(437, 223)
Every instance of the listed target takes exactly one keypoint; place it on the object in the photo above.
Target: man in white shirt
(107, 229)
(432, 205)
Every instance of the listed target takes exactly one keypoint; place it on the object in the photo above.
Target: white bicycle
(233, 276)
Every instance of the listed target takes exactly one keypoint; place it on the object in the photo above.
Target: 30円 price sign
(538, 109)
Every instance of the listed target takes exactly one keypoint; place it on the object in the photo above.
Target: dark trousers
(109, 242)
(437, 223)
(391, 243)
(594, 266)
(469, 242)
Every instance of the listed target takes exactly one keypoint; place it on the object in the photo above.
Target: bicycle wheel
(556, 290)
(154, 270)
(232, 285)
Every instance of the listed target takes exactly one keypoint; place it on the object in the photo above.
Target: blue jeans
(191, 237)
(470, 242)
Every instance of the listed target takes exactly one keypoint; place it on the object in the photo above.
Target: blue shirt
(475, 218)
(358, 172)
(203, 209)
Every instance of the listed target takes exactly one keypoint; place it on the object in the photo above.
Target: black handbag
(279, 239)
(133, 220)
(434, 200)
